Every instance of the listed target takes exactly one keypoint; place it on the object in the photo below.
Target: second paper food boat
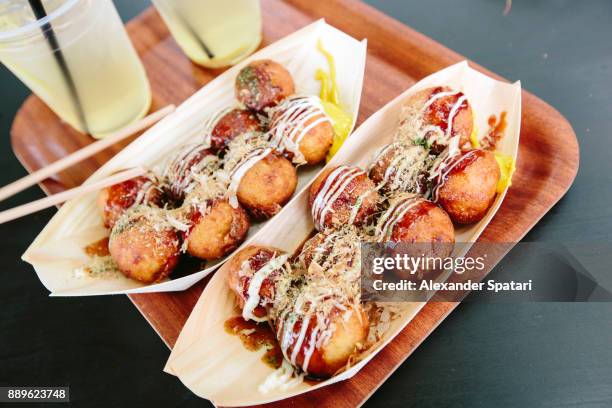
(215, 364)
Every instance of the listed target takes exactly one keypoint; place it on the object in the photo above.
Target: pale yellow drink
(110, 88)
(229, 30)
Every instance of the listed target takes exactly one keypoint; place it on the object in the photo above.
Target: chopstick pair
(70, 160)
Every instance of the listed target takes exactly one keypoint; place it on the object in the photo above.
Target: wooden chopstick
(82, 154)
(55, 199)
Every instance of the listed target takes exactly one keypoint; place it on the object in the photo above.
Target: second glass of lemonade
(213, 33)
(77, 58)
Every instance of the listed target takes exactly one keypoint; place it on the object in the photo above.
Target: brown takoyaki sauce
(100, 263)
(255, 336)
(344, 199)
(98, 248)
(124, 195)
(466, 160)
(255, 82)
(456, 164)
(438, 112)
(497, 129)
(263, 84)
(232, 124)
(414, 214)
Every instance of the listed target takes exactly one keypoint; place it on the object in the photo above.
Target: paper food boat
(214, 364)
(58, 251)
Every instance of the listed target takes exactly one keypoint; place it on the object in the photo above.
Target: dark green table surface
(487, 355)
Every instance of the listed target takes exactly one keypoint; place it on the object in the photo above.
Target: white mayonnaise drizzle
(434, 97)
(240, 170)
(312, 341)
(333, 187)
(447, 137)
(283, 378)
(441, 171)
(255, 283)
(393, 215)
(289, 123)
(212, 122)
(184, 165)
(434, 134)
(297, 345)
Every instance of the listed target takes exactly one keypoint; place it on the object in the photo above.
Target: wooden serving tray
(397, 57)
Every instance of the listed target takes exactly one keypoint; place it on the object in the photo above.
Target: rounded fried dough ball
(301, 121)
(349, 329)
(115, 200)
(316, 142)
(469, 188)
(218, 231)
(401, 168)
(333, 253)
(233, 123)
(263, 84)
(424, 229)
(241, 269)
(186, 164)
(143, 247)
(416, 220)
(438, 107)
(267, 185)
(316, 248)
(342, 196)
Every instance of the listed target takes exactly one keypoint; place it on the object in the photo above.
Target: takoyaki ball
(267, 185)
(250, 261)
(186, 165)
(216, 231)
(143, 245)
(401, 168)
(342, 195)
(339, 334)
(115, 200)
(263, 84)
(424, 227)
(231, 124)
(433, 116)
(413, 219)
(466, 185)
(333, 250)
(301, 126)
(316, 249)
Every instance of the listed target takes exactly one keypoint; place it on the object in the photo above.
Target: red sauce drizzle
(466, 160)
(410, 217)
(497, 129)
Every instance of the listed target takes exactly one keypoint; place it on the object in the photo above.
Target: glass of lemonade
(77, 57)
(213, 33)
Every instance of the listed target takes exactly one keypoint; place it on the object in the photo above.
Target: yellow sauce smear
(341, 121)
(506, 168)
(474, 137)
(505, 162)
